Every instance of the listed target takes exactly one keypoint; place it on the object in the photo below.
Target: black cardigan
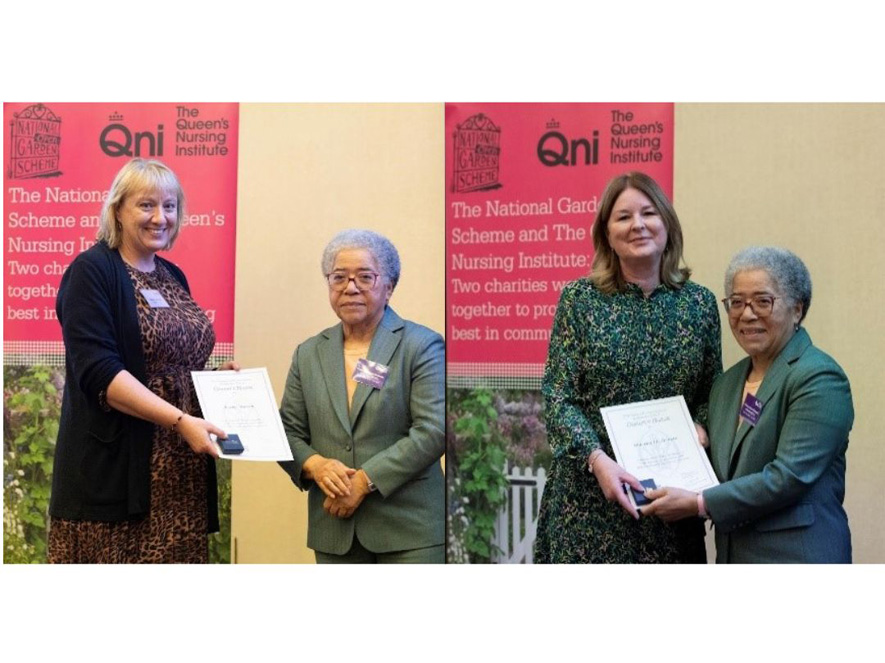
(102, 457)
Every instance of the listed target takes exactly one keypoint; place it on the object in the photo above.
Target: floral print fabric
(609, 350)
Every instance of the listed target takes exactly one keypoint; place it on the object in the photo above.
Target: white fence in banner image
(517, 523)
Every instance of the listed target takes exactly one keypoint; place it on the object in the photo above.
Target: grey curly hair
(785, 268)
(381, 248)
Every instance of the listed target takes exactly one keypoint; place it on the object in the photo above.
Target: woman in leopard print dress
(134, 474)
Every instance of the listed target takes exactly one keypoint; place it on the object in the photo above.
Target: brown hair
(606, 273)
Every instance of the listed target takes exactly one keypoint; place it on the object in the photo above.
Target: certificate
(657, 440)
(243, 403)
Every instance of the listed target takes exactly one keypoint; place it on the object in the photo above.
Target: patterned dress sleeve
(712, 361)
(569, 431)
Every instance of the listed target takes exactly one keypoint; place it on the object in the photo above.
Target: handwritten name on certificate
(243, 403)
(657, 440)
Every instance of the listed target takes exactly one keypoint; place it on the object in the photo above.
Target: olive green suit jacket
(396, 434)
(783, 480)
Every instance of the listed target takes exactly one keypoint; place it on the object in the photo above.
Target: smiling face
(635, 229)
(147, 220)
(360, 310)
(762, 338)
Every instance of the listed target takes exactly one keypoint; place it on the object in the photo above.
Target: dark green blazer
(783, 480)
(396, 434)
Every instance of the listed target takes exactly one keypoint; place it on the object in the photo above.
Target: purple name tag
(370, 373)
(751, 409)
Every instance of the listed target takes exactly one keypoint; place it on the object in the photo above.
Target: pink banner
(60, 160)
(523, 182)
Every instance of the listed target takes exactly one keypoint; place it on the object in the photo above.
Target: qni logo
(117, 140)
(554, 149)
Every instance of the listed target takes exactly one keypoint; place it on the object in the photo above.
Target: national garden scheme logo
(477, 143)
(35, 140)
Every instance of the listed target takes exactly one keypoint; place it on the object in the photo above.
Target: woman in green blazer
(779, 424)
(363, 410)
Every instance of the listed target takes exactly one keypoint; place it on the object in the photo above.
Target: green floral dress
(609, 350)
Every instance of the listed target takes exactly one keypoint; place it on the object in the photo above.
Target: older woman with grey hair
(779, 424)
(363, 410)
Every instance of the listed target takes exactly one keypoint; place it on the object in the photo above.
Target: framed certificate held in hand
(243, 404)
(657, 441)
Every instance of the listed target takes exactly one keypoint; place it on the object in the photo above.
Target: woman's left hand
(702, 435)
(229, 366)
(344, 507)
(671, 504)
(195, 432)
(611, 478)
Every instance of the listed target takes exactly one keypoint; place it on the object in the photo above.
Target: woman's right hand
(611, 478)
(195, 432)
(332, 476)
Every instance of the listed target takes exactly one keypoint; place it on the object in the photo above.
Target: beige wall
(808, 177)
(307, 171)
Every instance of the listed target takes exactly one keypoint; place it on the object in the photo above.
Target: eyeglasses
(761, 305)
(339, 281)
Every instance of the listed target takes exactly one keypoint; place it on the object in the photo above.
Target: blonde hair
(606, 273)
(136, 176)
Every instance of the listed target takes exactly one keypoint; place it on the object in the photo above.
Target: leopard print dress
(176, 341)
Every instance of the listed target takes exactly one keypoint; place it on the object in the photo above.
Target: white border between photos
(263, 613)
(461, 50)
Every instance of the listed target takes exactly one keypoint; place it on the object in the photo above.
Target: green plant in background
(457, 522)
(219, 543)
(521, 424)
(481, 456)
(31, 409)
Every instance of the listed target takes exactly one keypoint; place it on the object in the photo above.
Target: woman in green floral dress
(635, 329)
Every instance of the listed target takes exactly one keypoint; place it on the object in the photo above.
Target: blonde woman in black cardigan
(134, 474)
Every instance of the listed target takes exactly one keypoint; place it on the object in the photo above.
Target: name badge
(154, 298)
(370, 373)
(751, 409)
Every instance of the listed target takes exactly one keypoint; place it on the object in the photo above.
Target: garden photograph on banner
(60, 160)
(523, 186)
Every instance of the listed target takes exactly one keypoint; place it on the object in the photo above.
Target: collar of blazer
(384, 343)
(733, 388)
